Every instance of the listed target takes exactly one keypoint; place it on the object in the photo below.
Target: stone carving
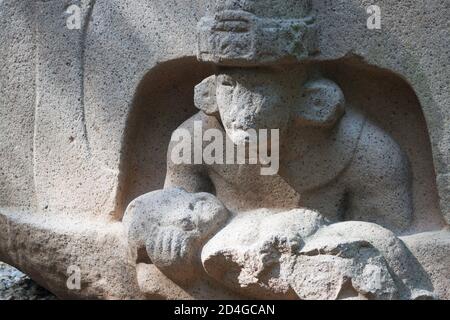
(251, 33)
(174, 239)
(341, 165)
(348, 197)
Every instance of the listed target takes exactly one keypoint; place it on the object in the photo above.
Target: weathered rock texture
(14, 285)
(361, 204)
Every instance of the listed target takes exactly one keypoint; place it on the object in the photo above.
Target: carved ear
(322, 103)
(205, 96)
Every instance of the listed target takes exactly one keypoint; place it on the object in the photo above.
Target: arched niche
(164, 99)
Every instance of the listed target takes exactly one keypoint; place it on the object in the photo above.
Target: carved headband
(240, 38)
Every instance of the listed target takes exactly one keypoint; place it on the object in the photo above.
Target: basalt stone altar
(227, 149)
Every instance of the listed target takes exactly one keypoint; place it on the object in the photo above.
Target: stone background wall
(86, 115)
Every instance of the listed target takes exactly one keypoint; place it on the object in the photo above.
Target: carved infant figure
(315, 230)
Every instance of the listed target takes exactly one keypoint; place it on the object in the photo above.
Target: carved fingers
(320, 102)
(169, 245)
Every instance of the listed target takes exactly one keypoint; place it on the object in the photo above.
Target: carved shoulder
(186, 174)
(379, 181)
(378, 159)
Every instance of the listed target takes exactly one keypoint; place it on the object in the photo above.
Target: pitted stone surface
(171, 225)
(359, 207)
(253, 253)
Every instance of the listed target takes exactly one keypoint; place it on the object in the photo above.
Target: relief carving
(348, 181)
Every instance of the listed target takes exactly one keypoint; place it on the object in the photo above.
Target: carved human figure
(283, 235)
(339, 162)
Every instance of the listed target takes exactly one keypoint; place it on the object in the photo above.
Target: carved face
(250, 99)
(265, 99)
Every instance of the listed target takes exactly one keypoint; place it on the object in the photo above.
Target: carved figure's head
(256, 99)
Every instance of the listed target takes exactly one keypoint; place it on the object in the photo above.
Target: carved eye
(232, 26)
(227, 81)
(187, 224)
